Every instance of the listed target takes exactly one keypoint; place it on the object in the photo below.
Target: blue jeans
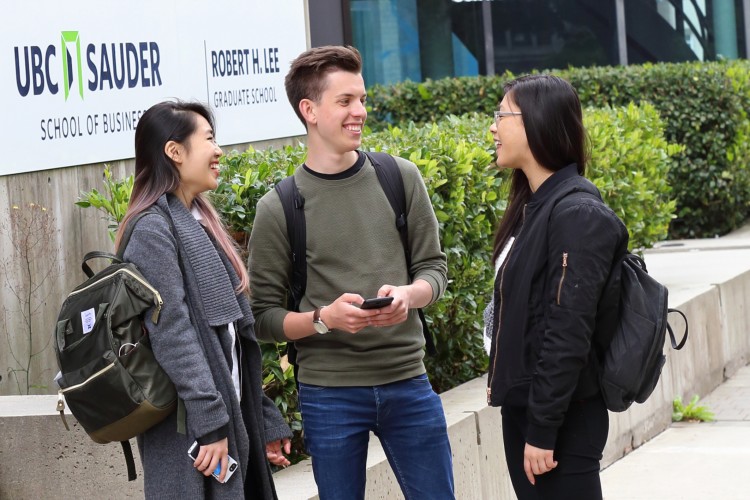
(407, 417)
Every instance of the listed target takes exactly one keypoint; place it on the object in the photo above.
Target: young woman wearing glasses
(554, 250)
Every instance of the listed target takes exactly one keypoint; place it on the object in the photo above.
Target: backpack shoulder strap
(389, 176)
(574, 198)
(672, 339)
(294, 212)
(131, 227)
(293, 204)
(392, 182)
(129, 461)
(636, 260)
(115, 258)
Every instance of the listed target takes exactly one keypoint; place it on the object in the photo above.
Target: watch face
(320, 327)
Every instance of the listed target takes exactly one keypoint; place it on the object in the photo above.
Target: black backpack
(631, 327)
(109, 377)
(632, 361)
(293, 202)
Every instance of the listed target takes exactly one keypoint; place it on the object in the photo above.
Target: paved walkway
(706, 461)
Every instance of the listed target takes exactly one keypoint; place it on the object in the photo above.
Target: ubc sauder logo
(110, 66)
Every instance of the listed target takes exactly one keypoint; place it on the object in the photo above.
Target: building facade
(420, 39)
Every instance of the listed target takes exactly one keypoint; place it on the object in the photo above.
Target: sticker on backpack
(88, 320)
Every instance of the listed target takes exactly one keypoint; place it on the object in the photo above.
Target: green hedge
(246, 177)
(702, 111)
(702, 104)
(431, 100)
(738, 153)
(468, 197)
(630, 163)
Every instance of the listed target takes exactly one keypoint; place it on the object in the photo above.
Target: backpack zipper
(157, 298)
(61, 392)
(500, 308)
(92, 377)
(562, 278)
(61, 408)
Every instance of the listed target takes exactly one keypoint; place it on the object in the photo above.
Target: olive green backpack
(108, 376)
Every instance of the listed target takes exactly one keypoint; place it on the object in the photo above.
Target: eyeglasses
(501, 114)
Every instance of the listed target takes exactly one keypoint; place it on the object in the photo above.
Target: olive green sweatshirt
(353, 246)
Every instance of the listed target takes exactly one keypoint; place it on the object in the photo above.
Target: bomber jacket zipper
(562, 278)
(500, 309)
(157, 298)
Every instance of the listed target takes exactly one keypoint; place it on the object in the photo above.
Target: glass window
(684, 30)
(417, 39)
(386, 33)
(545, 34)
(420, 39)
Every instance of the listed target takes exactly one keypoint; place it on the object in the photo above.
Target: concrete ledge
(476, 440)
(40, 459)
(708, 280)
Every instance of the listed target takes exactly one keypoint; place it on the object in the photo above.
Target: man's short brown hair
(306, 77)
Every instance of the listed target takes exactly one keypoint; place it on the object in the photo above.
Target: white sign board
(76, 76)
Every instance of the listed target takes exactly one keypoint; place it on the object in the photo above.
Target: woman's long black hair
(156, 173)
(553, 121)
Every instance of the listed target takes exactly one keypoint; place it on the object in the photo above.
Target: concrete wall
(40, 459)
(709, 282)
(76, 232)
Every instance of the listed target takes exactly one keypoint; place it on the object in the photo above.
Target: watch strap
(317, 322)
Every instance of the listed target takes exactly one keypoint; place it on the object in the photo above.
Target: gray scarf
(209, 271)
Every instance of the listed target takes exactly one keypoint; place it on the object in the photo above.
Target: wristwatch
(318, 324)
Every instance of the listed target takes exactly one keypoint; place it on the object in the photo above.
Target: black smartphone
(376, 302)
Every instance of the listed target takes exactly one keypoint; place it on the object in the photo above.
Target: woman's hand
(537, 461)
(274, 451)
(210, 455)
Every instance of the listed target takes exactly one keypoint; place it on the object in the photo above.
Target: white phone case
(231, 463)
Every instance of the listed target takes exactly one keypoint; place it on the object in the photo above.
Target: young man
(360, 371)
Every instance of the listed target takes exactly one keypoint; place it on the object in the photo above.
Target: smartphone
(231, 463)
(376, 302)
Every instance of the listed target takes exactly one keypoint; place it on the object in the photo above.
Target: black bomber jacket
(546, 296)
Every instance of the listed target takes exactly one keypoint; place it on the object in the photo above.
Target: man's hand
(398, 310)
(343, 314)
(416, 295)
(537, 461)
(275, 451)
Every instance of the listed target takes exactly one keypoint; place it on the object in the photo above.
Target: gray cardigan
(192, 344)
